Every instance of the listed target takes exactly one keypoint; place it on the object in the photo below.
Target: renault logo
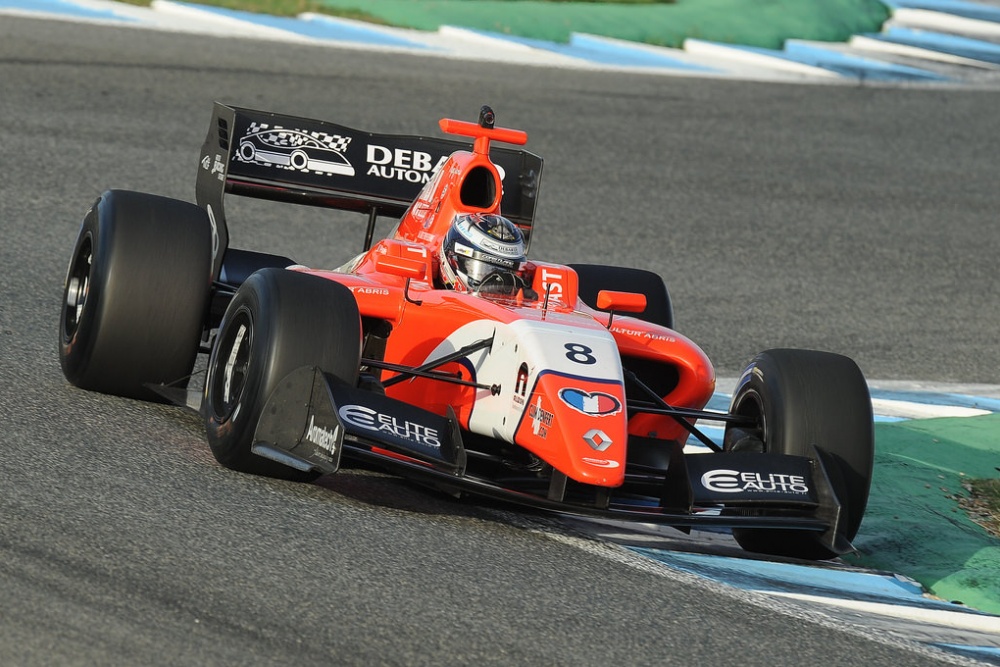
(597, 439)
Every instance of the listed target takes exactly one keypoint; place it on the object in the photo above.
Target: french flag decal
(594, 403)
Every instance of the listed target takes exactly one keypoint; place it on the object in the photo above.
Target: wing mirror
(411, 269)
(622, 302)
(401, 266)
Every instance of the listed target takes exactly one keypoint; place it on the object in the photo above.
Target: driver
(484, 254)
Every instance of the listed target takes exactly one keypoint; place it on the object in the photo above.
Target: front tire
(279, 320)
(803, 403)
(136, 294)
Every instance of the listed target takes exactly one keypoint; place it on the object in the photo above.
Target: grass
(983, 503)
(296, 7)
(276, 7)
(760, 23)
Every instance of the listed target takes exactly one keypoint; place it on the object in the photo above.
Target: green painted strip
(914, 524)
(767, 25)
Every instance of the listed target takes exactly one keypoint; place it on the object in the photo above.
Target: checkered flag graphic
(334, 141)
(291, 138)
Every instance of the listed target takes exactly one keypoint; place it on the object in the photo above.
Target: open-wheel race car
(442, 353)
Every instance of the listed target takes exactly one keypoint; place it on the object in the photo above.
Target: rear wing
(284, 158)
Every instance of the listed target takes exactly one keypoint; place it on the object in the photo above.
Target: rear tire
(136, 294)
(801, 400)
(596, 277)
(278, 321)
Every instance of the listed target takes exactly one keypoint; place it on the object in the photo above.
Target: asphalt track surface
(860, 220)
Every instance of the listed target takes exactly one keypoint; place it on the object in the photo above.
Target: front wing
(314, 419)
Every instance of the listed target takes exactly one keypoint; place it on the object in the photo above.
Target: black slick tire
(278, 321)
(136, 294)
(804, 401)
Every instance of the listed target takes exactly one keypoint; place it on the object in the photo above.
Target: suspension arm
(669, 411)
(427, 370)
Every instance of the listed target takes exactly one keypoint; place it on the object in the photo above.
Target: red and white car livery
(572, 393)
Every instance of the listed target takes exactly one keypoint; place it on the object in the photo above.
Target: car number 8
(579, 353)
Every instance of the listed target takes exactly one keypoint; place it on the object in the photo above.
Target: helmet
(483, 253)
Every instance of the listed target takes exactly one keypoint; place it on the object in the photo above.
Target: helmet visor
(492, 277)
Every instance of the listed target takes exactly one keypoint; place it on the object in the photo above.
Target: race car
(443, 354)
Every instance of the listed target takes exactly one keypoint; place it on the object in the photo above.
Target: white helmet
(483, 253)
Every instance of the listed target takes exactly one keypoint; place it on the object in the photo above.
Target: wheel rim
(751, 405)
(77, 289)
(231, 365)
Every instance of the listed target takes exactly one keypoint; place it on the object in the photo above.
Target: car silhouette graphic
(293, 149)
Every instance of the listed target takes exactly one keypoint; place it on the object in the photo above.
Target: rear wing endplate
(316, 163)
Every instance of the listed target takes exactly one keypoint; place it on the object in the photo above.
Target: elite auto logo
(734, 481)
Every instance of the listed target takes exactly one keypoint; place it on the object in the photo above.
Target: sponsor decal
(322, 437)
(497, 261)
(424, 207)
(420, 211)
(600, 463)
(521, 385)
(597, 403)
(216, 167)
(418, 250)
(541, 419)
(733, 481)
(552, 283)
(307, 151)
(639, 333)
(401, 164)
(753, 370)
(372, 420)
(493, 245)
(500, 248)
(378, 291)
(597, 439)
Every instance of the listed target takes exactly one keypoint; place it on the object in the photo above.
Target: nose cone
(579, 426)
